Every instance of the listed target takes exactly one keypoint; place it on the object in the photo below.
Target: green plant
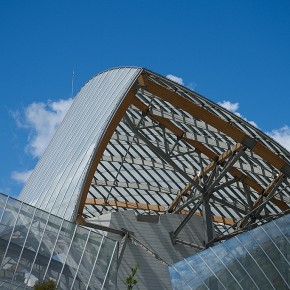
(130, 280)
(45, 285)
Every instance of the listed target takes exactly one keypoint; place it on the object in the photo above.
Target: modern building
(155, 173)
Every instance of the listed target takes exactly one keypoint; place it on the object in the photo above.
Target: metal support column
(207, 219)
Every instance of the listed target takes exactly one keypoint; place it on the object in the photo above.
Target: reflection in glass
(36, 245)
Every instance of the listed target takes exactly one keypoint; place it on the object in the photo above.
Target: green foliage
(48, 285)
(130, 280)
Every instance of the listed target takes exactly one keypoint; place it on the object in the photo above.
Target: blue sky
(234, 51)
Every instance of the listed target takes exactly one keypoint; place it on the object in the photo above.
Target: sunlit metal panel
(56, 182)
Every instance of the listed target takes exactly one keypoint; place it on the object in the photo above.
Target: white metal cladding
(57, 179)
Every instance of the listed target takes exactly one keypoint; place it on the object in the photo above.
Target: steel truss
(174, 152)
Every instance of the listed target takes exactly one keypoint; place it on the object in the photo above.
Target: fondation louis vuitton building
(144, 171)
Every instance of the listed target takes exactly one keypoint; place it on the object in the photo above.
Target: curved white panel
(56, 181)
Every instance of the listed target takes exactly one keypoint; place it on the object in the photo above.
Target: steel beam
(207, 218)
(229, 204)
(135, 185)
(205, 171)
(259, 204)
(217, 122)
(186, 219)
(225, 169)
(161, 153)
(122, 247)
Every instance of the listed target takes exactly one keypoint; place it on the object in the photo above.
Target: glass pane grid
(258, 259)
(36, 246)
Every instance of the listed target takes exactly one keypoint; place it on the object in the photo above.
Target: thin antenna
(72, 83)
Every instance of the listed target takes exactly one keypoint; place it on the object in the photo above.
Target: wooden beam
(98, 152)
(203, 149)
(236, 173)
(245, 179)
(196, 111)
(281, 204)
(201, 113)
(204, 171)
(220, 160)
(267, 190)
(125, 204)
(166, 123)
(141, 81)
(151, 207)
(263, 192)
(161, 120)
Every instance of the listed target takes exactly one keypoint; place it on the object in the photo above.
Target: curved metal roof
(136, 140)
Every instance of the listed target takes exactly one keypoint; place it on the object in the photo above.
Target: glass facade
(258, 259)
(37, 246)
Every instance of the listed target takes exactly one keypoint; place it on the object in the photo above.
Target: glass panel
(3, 200)
(33, 242)
(5, 285)
(74, 257)
(111, 277)
(42, 246)
(203, 272)
(220, 270)
(283, 225)
(89, 257)
(94, 280)
(18, 239)
(263, 259)
(46, 248)
(176, 279)
(11, 212)
(82, 275)
(102, 263)
(235, 245)
(277, 253)
(60, 251)
(258, 259)
(234, 266)
(8, 259)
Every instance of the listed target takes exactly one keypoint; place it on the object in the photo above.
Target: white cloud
(233, 107)
(192, 86)
(175, 79)
(42, 119)
(282, 136)
(21, 176)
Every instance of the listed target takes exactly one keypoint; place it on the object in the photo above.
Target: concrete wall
(155, 235)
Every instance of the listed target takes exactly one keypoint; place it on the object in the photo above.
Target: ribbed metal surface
(57, 179)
